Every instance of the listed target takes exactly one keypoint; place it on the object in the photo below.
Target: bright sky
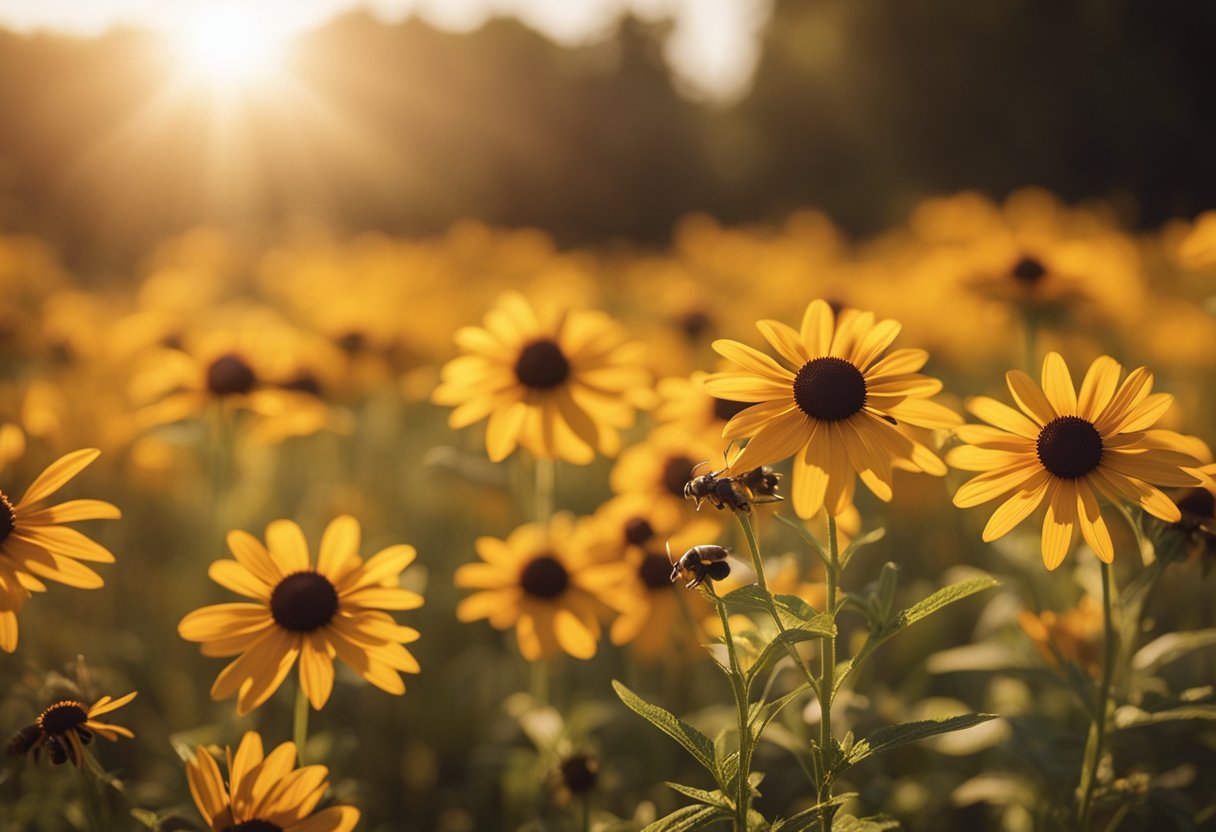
(712, 50)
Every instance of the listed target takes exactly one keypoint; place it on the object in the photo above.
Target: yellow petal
(58, 473)
(1059, 523)
(1002, 416)
(339, 547)
(989, 486)
(818, 325)
(1057, 385)
(1093, 526)
(1029, 397)
(785, 341)
(1018, 507)
(752, 360)
(287, 546)
(1099, 385)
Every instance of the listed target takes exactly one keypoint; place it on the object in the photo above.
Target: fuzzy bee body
(701, 562)
(22, 741)
(759, 485)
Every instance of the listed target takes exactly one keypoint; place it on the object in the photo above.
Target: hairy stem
(299, 723)
(827, 676)
(1089, 773)
(742, 787)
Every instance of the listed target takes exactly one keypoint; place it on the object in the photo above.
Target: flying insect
(699, 563)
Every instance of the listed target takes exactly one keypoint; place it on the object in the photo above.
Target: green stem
(1089, 773)
(545, 477)
(539, 686)
(743, 788)
(299, 723)
(827, 677)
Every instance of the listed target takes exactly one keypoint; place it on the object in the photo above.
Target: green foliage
(689, 819)
(692, 740)
(810, 818)
(875, 823)
(906, 733)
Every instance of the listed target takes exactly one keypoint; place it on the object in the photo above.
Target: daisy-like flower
(1066, 449)
(839, 409)
(34, 546)
(561, 385)
(308, 611)
(685, 406)
(264, 793)
(540, 580)
(65, 728)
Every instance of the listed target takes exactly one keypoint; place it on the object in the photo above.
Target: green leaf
(1161, 651)
(1131, 717)
(762, 713)
(810, 818)
(750, 597)
(922, 609)
(147, 818)
(795, 612)
(872, 536)
(714, 798)
(689, 819)
(874, 823)
(694, 742)
(779, 648)
(906, 733)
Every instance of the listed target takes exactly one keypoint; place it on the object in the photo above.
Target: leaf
(874, 823)
(809, 818)
(906, 733)
(694, 742)
(796, 612)
(750, 597)
(1171, 646)
(714, 798)
(1131, 717)
(921, 609)
(688, 819)
(872, 536)
(809, 538)
(782, 644)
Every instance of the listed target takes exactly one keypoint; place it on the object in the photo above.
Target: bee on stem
(698, 563)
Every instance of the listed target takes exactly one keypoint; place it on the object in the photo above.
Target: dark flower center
(725, 409)
(303, 602)
(637, 531)
(254, 826)
(542, 365)
(579, 773)
(8, 519)
(1028, 270)
(63, 717)
(351, 342)
(676, 474)
(544, 577)
(1197, 502)
(655, 572)
(303, 382)
(829, 389)
(694, 324)
(230, 375)
(1069, 447)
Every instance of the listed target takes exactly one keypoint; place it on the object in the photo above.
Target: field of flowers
(770, 530)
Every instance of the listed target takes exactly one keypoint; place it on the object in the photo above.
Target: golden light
(229, 46)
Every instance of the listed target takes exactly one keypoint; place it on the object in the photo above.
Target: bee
(759, 485)
(700, 562)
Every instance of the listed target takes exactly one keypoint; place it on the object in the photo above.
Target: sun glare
(228, 45)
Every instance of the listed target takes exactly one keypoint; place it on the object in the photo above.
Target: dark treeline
(858, 107)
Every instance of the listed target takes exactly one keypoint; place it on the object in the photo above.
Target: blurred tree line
(858, 107)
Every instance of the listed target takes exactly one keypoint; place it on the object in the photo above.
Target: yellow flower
(630, 535)
(560, 385)
(839, 409)
(686, 407)
(1074, 635)
(662, 465)
(66, 727)
(264, 793)
(306, 611)
(1066, 449)
(539, 580)
(34, 546)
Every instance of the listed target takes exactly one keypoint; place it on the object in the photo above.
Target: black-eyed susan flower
(34, 546)
(659, 467)
(630, 535)
(306, 611)
(837, 409)
(264, 793)
(541, 580)
(561, 385)
(685, 406)
(1066, 449)
(65, 728)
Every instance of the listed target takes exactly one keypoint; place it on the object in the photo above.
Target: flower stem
(299, 723)
(545, 477)
(743, 788)
(1089, 773)
(827, 677)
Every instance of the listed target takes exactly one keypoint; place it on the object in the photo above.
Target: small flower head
(264, 793)
(306, 611)
(1066, 449)
(66, 727)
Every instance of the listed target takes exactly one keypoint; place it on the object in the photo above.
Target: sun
(229, 45)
